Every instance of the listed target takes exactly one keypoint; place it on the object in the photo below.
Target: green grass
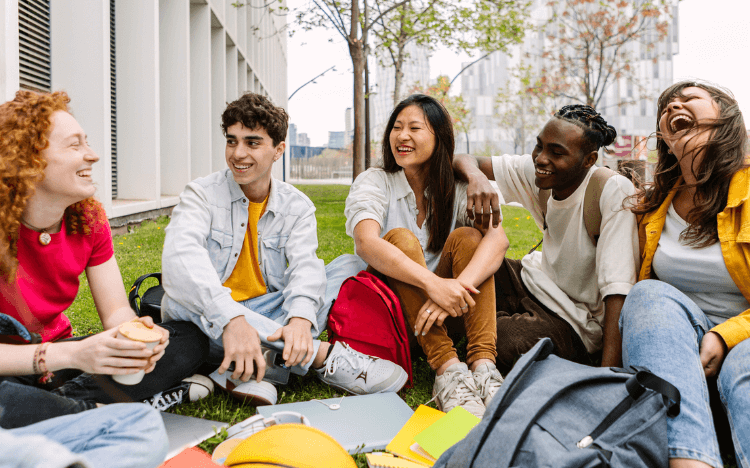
(139, 252)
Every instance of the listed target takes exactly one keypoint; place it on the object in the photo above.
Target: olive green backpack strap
(543, 197)
(592, 214)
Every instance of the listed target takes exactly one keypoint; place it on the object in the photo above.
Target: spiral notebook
(360, 424)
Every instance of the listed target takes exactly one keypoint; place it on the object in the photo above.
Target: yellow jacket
(734, 235)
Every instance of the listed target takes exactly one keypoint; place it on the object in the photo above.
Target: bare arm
(612, 348)
(449, 294)
(484, 263)
(386, 257)
(487, 258)
(482, 198)
(105, 282)
(102, 353)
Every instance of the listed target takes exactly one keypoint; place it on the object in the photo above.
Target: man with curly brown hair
(239, 261)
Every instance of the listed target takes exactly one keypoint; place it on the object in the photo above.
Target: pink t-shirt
(48, 275)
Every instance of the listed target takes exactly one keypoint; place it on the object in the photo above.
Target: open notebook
(360, 423)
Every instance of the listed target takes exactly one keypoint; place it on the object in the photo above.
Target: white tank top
(700, 273)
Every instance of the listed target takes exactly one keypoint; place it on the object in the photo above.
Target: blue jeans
(265, 314)
(662, 330)
(119, 435)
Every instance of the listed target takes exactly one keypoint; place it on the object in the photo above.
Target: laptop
(185, 431)
(360, 424)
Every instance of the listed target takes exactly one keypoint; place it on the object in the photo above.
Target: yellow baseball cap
(292, 446)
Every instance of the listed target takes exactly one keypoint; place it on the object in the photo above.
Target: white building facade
(148, 81)
(416, 69)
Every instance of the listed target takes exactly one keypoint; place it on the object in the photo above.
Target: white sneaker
(199, 387)
(488, 380)
(360, 374)
(456, 387)
(256, 393)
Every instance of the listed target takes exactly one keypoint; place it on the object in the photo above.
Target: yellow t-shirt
(246, 280)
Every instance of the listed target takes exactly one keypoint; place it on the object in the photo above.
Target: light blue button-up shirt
(204, 240)
(388, 199)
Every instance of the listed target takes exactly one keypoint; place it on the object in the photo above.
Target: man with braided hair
(573, 290)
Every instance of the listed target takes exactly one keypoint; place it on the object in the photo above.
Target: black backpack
(150, 303)
(553, 412)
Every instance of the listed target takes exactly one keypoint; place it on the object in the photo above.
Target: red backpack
(367, 316)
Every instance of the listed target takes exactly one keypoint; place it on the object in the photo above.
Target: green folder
(447, 431)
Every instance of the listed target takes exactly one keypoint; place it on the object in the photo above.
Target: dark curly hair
(596, 131)
(724, 155)
(256, 111)
(440, 184)
(25, 124)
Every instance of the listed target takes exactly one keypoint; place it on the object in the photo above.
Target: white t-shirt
(700, 273)
(388, 199)
(571, 276)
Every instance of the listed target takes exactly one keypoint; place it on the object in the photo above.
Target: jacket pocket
(219, 248)
(273, 256)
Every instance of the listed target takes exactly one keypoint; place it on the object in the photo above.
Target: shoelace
(463, 386)
(489, 382)
(159, 402)
(355, 359)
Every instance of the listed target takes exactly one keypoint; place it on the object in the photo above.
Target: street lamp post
(311, 81)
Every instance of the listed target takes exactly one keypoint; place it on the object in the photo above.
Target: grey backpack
(556, 413)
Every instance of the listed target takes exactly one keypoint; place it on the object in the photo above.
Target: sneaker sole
(395, 387)
(255, 400)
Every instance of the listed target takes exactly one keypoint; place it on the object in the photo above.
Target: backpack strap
(544, 195)
(592, 214)
(133, 296)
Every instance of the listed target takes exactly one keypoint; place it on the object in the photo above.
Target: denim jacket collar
(236, 193)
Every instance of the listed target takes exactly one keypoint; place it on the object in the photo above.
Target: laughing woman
(409, 223)
(692, 324)
(51, 231)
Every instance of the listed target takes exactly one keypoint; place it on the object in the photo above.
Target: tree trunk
(368, 137)
(399, 66)
(356, 51)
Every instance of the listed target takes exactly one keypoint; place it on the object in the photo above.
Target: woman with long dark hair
(409, 223)
(688, 319)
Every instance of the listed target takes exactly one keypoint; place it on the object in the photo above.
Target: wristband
(40, 364)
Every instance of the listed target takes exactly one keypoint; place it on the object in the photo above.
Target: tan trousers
(479, 326)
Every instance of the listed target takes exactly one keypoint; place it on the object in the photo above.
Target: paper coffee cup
(136, 331)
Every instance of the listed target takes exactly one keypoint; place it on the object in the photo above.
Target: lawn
(139, 252)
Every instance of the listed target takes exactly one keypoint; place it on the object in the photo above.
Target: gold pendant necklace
(44, 237)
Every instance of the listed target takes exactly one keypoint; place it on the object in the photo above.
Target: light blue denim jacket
(204, 240)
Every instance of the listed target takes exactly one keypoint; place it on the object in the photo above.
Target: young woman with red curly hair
(52, 230)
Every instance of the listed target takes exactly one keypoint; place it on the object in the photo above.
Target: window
(34, 48)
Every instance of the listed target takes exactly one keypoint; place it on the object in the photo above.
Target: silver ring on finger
(466, 306)
(428, 311)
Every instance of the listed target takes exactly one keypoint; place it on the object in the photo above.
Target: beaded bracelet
(40, 364)
(34, 365)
